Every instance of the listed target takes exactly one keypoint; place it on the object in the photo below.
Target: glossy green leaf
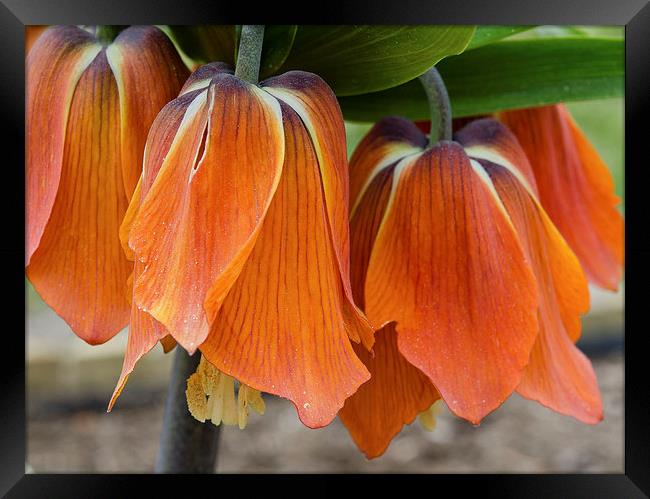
(571, 31)
(278, 41)
(206, 43)
(508, 75)
(220, 42)
(360, 59)
(489, 34)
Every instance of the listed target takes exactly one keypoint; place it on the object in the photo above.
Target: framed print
(380, 242)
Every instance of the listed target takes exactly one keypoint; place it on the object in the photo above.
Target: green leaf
(508, 75)
(360, 59)
(205, 44)
(489, 34)
(572, 31)
(278, 41)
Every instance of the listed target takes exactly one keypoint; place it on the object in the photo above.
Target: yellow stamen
(211, 395)
(428, 418)
(196, 402)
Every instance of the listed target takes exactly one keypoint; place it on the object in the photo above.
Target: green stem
(250, 52)
(439, 105)
(107, 33)
(186, 445)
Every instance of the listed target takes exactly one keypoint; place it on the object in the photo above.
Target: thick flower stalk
(477, 292)
(89, 108)
(575, 188)
(241, 239)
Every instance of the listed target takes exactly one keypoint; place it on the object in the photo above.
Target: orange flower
(89, 108)
(242, 241)
(453, 253)
(575, 188)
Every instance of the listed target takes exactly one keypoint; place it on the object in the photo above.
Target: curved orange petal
(559, 376)
(396, 393)
(201, 217)
(79, 267)
(364, 225)
(149, 73)
(144, 333)
(448, 267)
(54, 66)
(388, 141)
(144, 330)
(202, 76)
(488, 139)
(315, 103)
(282, 328)
(575, 187)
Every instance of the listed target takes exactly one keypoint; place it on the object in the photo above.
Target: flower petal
(559, 376)
(364, 225)
(54, 66)
(282, 329)
(144, 333)
(396, 393)
(79, 267)
(201, 78)
(448, 267)
(389, 140)
(149, 73)
(488, 139)
(575, 187)
(198, 224)
(161, 137)
(315, 103)
(144, 330)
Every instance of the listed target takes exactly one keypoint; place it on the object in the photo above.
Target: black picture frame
(633, 14)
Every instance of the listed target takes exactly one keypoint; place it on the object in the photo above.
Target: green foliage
(506, 75)
(360, 59)
(352, 59)
(204, 44)
(489, 34)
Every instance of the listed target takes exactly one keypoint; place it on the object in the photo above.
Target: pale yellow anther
(196, 401)
(209, 375)
(428, 418)
(211, 395)
(255, 400)
(229, 415)
(242, 407)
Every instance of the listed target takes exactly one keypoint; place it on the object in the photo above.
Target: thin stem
(250, 52)
(186, 445)
(439, 106)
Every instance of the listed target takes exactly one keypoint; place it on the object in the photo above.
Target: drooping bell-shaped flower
(452, 249)
(89, 108)
(575, 188)
(445, 264)
(242, 238)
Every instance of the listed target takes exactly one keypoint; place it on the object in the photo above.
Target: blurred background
(69, 384)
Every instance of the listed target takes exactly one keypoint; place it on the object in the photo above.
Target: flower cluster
(207, 211)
